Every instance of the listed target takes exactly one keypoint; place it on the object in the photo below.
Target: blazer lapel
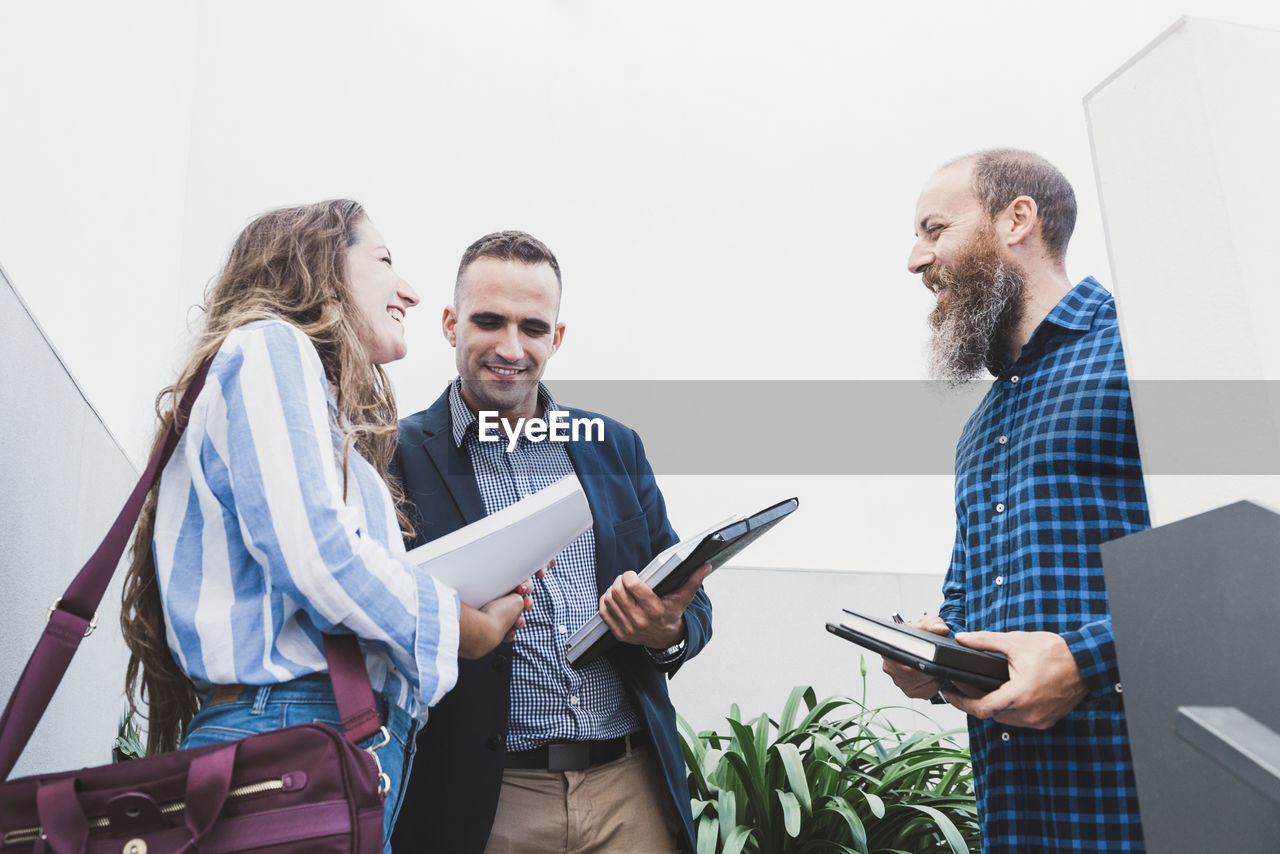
(456, 471)
(451, 464)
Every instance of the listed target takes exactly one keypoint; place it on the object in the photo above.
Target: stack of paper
(488, 558)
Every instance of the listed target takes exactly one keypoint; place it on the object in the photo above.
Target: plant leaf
(799, 694)
(833, 750)
(762, 739)
(949, 831)
(874, 802)
(794, 767)
(711, 766)
(746, 748)
(790, 812)
(841, 808)
(708, 834)
(128, 741)
(737, 839)
(819, 846)
(896, 770)
(727, 809)
(694, 754)
(753, 787)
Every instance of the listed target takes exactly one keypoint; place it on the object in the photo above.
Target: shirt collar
(1076, 310)
(464, 420)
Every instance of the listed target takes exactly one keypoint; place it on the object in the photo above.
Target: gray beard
(972, 330)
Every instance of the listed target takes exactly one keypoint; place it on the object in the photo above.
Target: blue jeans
(303, 701)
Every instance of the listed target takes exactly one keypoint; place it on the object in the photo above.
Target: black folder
(936, 655)
(671, 568)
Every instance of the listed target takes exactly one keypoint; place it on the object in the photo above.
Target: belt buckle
(568, 756)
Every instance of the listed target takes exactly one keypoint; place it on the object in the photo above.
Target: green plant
(814, 781)
(128, 743)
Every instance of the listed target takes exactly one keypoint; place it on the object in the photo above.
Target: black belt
(574, 755)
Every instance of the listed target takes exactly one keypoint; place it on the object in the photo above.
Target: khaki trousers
(621, 806)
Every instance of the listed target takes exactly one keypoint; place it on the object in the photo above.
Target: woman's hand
(484, 628)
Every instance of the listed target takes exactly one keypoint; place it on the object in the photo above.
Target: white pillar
(1186, 146)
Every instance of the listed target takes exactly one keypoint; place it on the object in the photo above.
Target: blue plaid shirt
(550, 701)
(1047, 469)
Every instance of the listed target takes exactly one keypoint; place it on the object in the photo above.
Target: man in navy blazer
(583, 759)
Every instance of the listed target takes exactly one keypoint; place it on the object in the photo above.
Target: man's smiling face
(504, 329)
(980, 291)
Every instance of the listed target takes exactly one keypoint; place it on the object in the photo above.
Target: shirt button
(573, 700)
(562, 630)
(1004, 736)
(1003, 440)
(999, 508)
(1119, 687)
(1013, 379)
(499, 662)
(999, 579)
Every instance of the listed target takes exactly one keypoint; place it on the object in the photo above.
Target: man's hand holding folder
(647, 608)
(910, 681)
(635, 614)
(1044, 679)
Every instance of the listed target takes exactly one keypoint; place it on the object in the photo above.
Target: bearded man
(1047, 469)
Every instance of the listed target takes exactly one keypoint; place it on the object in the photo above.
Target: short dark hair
(507, 246)
(1000, 175)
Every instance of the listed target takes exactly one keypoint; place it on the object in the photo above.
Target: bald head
(997, 176)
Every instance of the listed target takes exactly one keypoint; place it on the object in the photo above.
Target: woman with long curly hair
(273, 522)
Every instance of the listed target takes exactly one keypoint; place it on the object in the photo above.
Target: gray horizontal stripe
(879, 427)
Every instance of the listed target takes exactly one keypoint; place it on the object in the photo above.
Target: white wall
(728, 185)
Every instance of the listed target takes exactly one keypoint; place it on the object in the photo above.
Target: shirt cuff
(1094, 649)
(436, 648)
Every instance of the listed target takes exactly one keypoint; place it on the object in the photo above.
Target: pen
(937, 699)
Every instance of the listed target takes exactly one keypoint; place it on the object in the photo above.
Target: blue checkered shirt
(1047, 469)
(550, 701)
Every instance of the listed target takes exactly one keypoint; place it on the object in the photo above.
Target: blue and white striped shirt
(258, 552)
(550, 701)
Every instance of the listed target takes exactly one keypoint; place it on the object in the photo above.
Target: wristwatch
(675, 649)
